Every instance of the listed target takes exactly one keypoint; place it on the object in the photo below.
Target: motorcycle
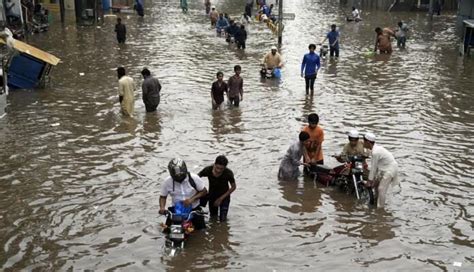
(323, 51)
(270, 73)
(348, 177)
(353, 183)
(178, 227)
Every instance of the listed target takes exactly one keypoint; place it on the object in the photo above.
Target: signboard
(289, 16)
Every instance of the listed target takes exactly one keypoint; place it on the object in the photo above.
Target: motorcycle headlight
(359, 165)
(176, 229)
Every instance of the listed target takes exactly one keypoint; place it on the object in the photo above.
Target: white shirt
(355, 14)
(182, 190)
(382, 160)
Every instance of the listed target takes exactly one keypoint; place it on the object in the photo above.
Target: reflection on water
(79, 183)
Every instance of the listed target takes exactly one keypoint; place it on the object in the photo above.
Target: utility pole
(61, 10)
(431, 9)
(280, 22)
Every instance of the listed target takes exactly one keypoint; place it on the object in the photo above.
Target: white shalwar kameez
(384, 169)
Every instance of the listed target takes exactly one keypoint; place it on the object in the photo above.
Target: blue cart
(29, 68)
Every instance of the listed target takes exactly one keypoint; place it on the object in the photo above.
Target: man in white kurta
(126, 92)
(383, 170)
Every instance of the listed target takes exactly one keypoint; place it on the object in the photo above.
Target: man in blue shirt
(221, 24)
(309, 68)
(333, 37)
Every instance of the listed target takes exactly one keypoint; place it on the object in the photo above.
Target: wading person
(183, 187)
(184, 5)
(383, 169)
(355, 147)
(220, 177)
(401, 34)
(309, 68)
(314, 154)
(289, 166)
(213, 16)
(219, 87)
(271, 60)
(241, 37)
(121, 31)
(151, 88)
(126, 92)
(139, 8)
(236, 87)
(207, 4)
(333, 37)
(382, 41)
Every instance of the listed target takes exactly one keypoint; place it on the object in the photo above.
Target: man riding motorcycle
(183, 186)
(271, 60)
(355, 147)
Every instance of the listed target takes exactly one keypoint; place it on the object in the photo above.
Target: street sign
(289, 16)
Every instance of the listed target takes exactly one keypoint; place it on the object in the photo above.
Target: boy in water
(219, 87)
(121, 31)
(236, 87)
(219, 192)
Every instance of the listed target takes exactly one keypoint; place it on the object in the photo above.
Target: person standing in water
(126, 92)
(151, 88)
(121, 31)
(236, 87)
(219, 87)
(383, 40)
(309, 68)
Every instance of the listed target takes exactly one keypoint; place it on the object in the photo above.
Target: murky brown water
(84, 194)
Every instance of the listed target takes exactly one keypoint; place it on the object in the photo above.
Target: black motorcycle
(352, 181)
(348, 177)
(179, 226)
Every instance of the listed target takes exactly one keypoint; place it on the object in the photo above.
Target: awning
(469, 23)
(33, 51)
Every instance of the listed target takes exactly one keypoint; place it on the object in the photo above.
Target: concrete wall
(465, 11)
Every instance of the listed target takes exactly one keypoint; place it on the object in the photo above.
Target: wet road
(79, 184)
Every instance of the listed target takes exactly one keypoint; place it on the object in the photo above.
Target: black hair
(400, 24)
(378, 29)
(313, 118)
(333, 26)
(146, 72)
(221, 160)
(237, 67)
(312, 46)
(120, 71)
(119, 19)
(219, 74)
(242, 27)
(303, 136)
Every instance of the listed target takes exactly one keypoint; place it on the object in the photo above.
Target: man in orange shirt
(314, 153)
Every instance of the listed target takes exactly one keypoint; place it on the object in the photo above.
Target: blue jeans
(224, 209)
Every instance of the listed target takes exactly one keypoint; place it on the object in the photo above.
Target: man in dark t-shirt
(219, 192)
(219, 87)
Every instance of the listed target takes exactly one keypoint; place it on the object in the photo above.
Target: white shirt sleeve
(374, 163)
(165, 188)
(199, 182)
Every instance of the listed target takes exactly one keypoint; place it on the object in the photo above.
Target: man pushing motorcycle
(183, 187)
(383, 170)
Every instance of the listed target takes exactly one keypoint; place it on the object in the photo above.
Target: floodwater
(79, 183)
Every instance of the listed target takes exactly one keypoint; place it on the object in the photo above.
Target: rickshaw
(29, 67)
